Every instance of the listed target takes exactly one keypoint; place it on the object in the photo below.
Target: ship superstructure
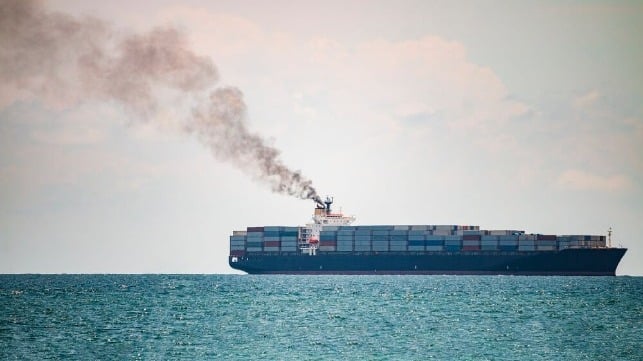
(322, 217)
(332, 245)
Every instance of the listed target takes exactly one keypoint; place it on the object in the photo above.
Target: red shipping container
(545, 237)
(471, 237)
(271, 243)
(470, 248)
(237, 253)
(255, 229)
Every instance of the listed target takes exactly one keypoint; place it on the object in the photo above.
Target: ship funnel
(320, 204)
(328, 202)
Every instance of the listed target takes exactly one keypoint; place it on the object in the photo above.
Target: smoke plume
(62, 60)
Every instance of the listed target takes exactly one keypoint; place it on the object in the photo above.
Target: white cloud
(586, 100)
(373, 84)
(79, 135)
(575, 179)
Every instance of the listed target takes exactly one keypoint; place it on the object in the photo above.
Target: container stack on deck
(415, 238)
(264, 239)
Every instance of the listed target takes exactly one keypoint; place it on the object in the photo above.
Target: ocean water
(241, 317)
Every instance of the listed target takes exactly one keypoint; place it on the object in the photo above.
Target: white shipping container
(419, 228)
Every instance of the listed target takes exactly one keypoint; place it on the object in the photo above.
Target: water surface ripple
(232, 317)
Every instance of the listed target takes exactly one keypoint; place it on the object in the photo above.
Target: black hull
(568, 262)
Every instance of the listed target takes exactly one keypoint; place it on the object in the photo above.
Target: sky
(507, 115)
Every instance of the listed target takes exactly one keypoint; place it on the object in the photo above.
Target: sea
(246, 317)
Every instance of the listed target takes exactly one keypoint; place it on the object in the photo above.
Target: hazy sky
(508, 115)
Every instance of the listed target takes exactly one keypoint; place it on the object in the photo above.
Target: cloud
(586, 100)
(575, 179)
(69, 136)
(428, 75)
(375, 82)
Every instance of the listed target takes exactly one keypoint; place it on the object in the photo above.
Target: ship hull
(568, 262)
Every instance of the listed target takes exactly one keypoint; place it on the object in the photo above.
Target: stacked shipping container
(414, 238)
(264, 239)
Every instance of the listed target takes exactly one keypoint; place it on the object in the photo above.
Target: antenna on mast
(609, 237)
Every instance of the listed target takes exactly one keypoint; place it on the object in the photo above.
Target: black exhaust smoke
(62, 60)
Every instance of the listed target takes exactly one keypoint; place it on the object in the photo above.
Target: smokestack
(61, 61)
(328, 202)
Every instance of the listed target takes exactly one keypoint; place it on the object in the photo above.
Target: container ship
(331, 245)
